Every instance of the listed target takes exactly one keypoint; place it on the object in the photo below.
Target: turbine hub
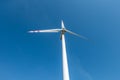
(63, 31)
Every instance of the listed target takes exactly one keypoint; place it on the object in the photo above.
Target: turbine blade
(76, 34)
(45, 31)
(62, 24)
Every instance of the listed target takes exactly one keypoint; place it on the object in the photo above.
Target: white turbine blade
(76, 34)
(47, 31)
(62, 24)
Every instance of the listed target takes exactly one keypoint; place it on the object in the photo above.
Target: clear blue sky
(26, 56)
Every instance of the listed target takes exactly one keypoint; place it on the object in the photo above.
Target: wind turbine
(63, 30)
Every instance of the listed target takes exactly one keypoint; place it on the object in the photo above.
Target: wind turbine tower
(63, 30)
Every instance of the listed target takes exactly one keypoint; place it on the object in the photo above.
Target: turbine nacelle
(63, 31)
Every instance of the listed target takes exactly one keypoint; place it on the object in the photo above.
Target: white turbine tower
(64, 54)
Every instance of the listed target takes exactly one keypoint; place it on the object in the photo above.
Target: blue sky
(26, 56)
